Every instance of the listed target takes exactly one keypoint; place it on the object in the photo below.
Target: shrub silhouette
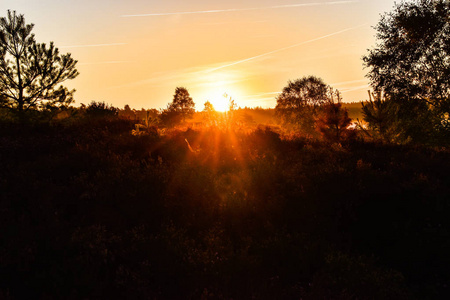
(333, 123)
(101, 110)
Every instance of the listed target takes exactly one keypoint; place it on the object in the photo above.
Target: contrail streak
(284, 48)
(95, 45)
(241, 9)
(106, 62)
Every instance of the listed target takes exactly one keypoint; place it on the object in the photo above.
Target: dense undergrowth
(88, 210)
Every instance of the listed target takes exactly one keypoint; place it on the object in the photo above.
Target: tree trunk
(20, 105)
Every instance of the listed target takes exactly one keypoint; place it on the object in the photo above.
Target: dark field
(90, 211)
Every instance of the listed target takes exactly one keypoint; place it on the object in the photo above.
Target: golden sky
(137, 52)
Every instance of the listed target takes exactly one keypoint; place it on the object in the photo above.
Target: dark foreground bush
(90, 211)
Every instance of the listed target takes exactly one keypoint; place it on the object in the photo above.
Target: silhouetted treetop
(208, 107)
(412, 56)
(308, 90)
(299, 100)
(181, 107)
(101, 109)
(30, 73)
(411, 65)
(182, 103)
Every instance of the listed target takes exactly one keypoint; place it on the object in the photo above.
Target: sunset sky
(137, 52)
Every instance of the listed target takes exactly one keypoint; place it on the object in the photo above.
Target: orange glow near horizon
(136, 53)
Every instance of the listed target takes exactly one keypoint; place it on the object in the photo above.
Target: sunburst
(219, 101)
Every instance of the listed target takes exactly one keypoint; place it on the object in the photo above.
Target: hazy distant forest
(313, 199)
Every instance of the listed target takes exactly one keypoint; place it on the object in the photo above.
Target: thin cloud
(94, 45)
(357, 88)
(348, 82)
(263, 94)
(263, 98)
(158, 79)
(235, 22)
(284, 48)
(106, 62)
(195, 76)
(241, 9)
(267, 99)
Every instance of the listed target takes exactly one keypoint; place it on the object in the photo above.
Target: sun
(219, 101)
(218, 87)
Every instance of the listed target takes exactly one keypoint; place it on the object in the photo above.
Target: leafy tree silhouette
(179, 109)
(208, 107)
(30, 73)
(182, 103)
(411, 64)
(299, 101)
